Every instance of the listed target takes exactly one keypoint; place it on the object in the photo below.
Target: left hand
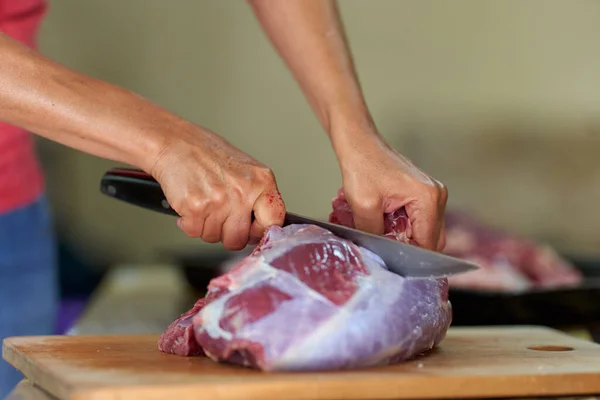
(378, 180)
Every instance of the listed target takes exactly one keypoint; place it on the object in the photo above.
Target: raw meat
(308, 300)
(396, 225)
(179, 337)
(508, 262)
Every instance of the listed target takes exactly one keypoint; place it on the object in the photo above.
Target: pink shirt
(21, 178)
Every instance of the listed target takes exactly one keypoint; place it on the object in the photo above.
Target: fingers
(442, 216)
(424, 230)
(442, 238)
(213, 226)
(269, 209)
(203, 215)
(236, 230)
(193, 227)
(428, 218)
(232, 230)
(229, 221)
(197, 220)
(368, 214)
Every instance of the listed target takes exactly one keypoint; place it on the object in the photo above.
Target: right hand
(215, 187)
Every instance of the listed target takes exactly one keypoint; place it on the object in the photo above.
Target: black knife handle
(135, 187)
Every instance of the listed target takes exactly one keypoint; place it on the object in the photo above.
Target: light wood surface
(470, 362)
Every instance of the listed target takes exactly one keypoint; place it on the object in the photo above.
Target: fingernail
(179, 222)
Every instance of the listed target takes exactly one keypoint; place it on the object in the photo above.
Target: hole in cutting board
(550, 348)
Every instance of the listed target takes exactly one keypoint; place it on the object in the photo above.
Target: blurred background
(499, 100)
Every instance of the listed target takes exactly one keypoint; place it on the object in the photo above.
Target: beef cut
(508, 262)
(305, 299)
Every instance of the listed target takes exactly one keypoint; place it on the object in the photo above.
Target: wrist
(351, 133)
(168, 144)
(151, 145)
(152, 150)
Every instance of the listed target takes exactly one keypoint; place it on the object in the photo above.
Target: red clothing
(21, 178)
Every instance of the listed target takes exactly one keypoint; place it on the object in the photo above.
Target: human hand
(215, 187)
(378, 180)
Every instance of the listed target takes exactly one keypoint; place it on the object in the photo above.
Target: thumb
(368, 215)
(269, 209)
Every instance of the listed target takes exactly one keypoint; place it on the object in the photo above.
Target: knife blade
(141, 189)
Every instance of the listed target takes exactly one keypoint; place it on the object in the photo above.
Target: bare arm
(212, 185)
(76, 110)
(309, 36)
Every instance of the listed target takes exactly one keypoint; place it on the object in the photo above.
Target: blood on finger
(273, 197)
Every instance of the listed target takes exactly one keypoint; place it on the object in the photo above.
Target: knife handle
(136, 187)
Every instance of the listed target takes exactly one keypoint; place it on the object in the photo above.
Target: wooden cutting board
(470, 362)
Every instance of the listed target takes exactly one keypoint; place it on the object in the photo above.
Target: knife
(141, 189)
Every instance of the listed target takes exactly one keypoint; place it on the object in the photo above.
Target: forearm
(76, 110)
(309, 36)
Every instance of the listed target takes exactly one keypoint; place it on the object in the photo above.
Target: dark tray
(578, 305)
